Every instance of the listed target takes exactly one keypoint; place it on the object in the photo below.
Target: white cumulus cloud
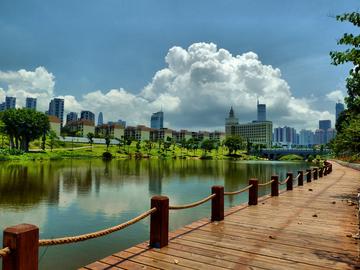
(195, 90)
(335, 96)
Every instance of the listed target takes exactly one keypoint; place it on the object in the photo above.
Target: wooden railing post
(320, 172)
(275, 185)
(23, 241)
(253, 192)
(159, 222)
(289, 183)
(217, 203)
(301, 178)
(308, 176)
(316, 171)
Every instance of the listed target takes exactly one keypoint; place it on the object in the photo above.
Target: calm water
(78, 196)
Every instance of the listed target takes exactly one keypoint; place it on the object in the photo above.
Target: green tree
(120, 142)
(234, 143)
(23, 126)
(128, 143)
(207, 145)
(346, 141)
(107, 142)
(52, 139)
(90, 137)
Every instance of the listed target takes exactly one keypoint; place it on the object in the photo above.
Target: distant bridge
(277, 153)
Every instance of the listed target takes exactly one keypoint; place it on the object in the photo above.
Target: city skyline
(156, 119)
(197, 67)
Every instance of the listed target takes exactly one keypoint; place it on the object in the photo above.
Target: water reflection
(29, 183)
(76, 196)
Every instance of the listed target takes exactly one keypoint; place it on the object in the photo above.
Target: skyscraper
(285, 135)
(10, 103)
(324, 124)
(100, 119)
(261, 112)
(339, 107)
(71, 117)
(306, 137)
(325, 131)
(87, 115)
(56, 108)
(157, 120)
(30, 103)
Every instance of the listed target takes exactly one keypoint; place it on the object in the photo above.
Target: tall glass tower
(261, 112)
(157, 120)
(339, 107)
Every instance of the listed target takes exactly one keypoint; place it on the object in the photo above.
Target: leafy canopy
(23, 126)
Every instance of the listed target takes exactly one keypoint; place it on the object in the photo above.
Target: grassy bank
(123, 152)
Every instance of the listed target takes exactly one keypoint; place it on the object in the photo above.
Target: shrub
(107, 156)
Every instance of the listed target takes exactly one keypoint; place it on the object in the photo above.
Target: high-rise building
(87, 115)
(71, 117)
(2, 106)
(339, 107)
(257, 132)
(285, 135)
(10, 103)
(261, 112)
(306, 137)
(324, 124)
(122, 122)
(100, 119)
(157, 120)
(56, 108)
(30, 103)
(319, 136)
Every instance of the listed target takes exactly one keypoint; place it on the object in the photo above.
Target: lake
(71, 197)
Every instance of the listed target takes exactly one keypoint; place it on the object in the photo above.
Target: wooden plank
(279, 233)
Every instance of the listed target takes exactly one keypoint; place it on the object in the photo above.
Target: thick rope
(265, 184)
(306, 173)
(4, 252)
(190, 205)
(83, 237)
(285, 181)
(297, 176)
(238, 191)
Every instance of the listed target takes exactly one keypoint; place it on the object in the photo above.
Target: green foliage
(207, 145)
(347, 141)
(291, 158)
(234, 143)
(23, 126)
(107, 142)
(107, 155)
(52, 139)
(90, 136)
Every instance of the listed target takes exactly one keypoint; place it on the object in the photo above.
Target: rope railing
(159, 229)
(285, 181)
(265, 184)
(238, 191)
(191, 205)
(4, 252)
(83, 237)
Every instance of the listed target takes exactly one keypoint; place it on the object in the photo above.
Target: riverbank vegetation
(346, 144)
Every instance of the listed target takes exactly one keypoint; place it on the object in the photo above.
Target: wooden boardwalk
(311, 227)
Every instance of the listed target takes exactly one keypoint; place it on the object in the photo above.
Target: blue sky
(112, 44)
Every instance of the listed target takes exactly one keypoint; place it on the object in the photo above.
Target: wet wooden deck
(310, 227)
